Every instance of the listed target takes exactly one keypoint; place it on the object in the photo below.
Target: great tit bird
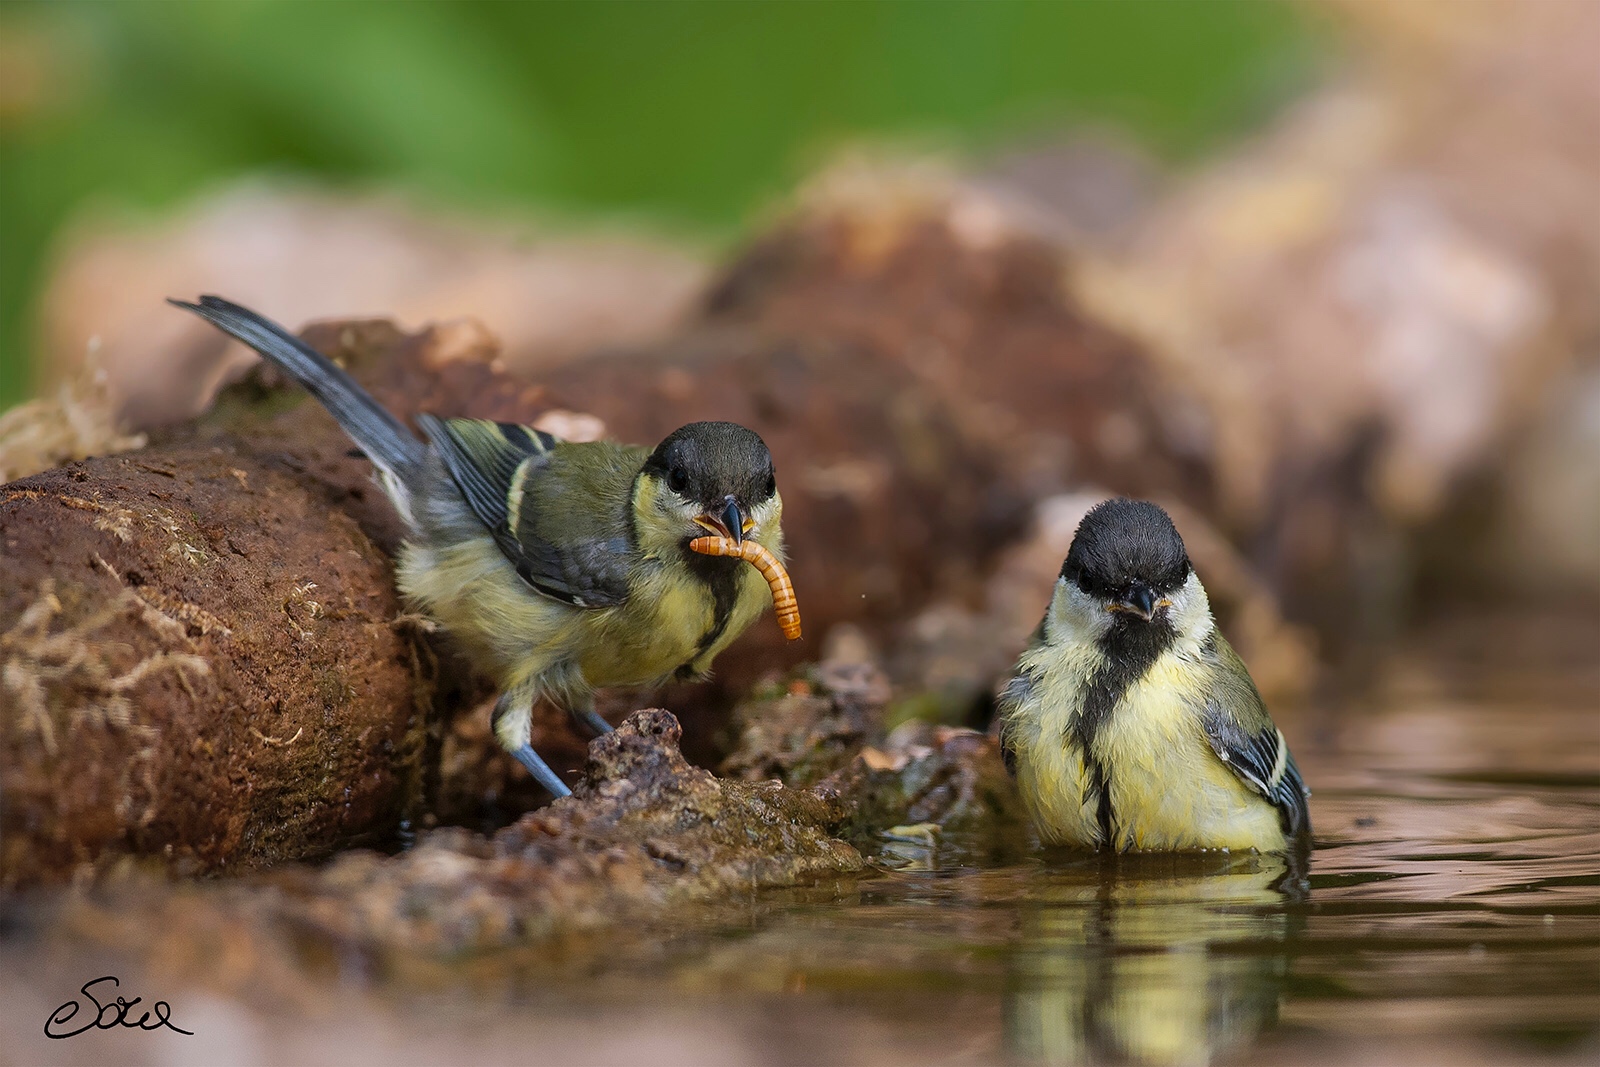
(1130, 723)
(559, 567)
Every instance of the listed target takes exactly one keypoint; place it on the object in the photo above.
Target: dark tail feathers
(383, 437)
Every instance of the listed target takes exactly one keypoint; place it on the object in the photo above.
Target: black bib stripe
(721, 575)
(1129, 651)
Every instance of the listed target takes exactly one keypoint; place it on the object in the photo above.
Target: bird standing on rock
(1130, 722)
(559, 567)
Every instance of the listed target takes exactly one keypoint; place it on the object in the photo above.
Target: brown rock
(980, 319)
(829, 731)
(805, 731)
(928, 776)
(1381, 300)
(642, 833)
(198, 661)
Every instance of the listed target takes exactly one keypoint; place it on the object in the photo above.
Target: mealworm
(784, 604)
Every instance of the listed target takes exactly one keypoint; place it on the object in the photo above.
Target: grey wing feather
(1017, 693)
(1243, 736)
(482, 458)
(493, 465)
(591, 574)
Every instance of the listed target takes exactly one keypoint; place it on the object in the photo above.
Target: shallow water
(1450, 914)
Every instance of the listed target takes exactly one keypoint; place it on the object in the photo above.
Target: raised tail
(384, 438)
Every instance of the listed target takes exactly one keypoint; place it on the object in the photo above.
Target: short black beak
(1141, 600)
(733, 519)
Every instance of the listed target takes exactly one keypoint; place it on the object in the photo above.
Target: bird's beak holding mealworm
(784, 603)
(730, 522)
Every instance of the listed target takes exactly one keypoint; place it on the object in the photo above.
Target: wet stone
(827, 730)
(643, 829)
(928, 775)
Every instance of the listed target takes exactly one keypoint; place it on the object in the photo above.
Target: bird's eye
(1083, 581)
(772, 484)
(677, 479)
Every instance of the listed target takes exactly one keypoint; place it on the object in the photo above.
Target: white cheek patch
(1075, 615)
(1191, 613)
(766, 514)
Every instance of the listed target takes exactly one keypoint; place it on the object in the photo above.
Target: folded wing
(561, 529)
(1246, 739)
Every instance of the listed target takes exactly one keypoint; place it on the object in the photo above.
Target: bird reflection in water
(1152, 959)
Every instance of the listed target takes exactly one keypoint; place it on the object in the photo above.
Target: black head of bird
(712, 477)
(1128, 556)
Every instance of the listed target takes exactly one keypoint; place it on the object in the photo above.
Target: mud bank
(644, 836)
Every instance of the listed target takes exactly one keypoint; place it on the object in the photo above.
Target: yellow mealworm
(784, 604)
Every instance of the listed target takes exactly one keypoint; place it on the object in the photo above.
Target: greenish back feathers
(573, 546)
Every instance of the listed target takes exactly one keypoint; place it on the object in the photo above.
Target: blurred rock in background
(303, 254)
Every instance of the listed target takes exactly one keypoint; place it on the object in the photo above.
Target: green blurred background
(689, 114)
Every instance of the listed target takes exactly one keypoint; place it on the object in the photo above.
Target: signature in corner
(109, 1014)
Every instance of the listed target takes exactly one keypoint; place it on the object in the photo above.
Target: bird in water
(1130, 722)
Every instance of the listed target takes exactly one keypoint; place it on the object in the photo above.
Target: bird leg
(582, 711)
(511, 721)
